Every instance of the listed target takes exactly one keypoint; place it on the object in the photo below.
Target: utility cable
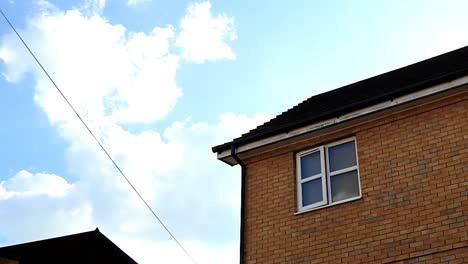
(96, 139)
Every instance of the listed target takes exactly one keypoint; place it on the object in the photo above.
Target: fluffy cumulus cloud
(119, 68)
(25, 183)
(33, 205)
(116, 78)
(201, 33)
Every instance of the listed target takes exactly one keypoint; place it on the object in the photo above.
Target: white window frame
(325, 175)
(300, 181)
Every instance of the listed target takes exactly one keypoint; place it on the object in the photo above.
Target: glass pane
(310, 165)
(342, 156)
(344, 186)
(312, 192)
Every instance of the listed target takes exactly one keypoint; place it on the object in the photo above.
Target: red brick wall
(414, 177)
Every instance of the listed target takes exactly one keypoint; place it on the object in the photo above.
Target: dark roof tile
(87, 247)
(387, 86)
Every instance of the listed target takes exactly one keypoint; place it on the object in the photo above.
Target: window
(327, 175)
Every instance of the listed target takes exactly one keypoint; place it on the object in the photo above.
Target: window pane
(342, 156)
(312, 192)
(310, 165)
(344, 186)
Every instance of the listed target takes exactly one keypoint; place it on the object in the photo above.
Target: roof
(87, 247)
(383, 87)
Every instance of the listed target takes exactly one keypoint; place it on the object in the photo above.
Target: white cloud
(131, 76)
(203, 36)
(25, 183)
(169, 254)
(115, 77)
(93, 6)
(177, 174)
(41, 205)
(136, 2)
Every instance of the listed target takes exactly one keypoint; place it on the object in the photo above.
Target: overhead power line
(96, 139)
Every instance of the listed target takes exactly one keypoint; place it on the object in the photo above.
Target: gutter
(242, 215)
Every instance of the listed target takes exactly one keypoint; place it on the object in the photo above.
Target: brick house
(372, 172)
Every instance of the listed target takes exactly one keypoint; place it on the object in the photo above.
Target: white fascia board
(226, 155)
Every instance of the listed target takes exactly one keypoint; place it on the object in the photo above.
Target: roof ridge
(53, 238)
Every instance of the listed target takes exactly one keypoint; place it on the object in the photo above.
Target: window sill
(328, 205)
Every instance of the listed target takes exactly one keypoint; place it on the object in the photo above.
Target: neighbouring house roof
(87, 247)
(365, 93)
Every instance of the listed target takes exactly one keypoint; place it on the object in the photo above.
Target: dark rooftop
(88, 247)
(387, 86)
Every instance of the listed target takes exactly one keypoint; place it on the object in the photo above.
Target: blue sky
(161, 82)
